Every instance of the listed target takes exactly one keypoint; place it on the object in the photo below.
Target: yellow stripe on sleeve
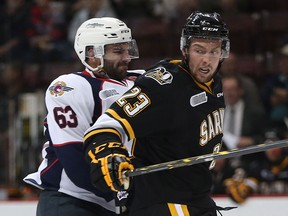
(105, 130)
(123, 122)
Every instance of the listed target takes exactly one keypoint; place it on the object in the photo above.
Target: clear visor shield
(212, 48)
(125, 50)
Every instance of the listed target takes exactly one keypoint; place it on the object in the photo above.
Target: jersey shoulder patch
(58, 88)
(64, 84)
(160, 74)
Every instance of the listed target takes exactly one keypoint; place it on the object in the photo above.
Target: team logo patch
(161, 75)
(59, 88)
(198, 99)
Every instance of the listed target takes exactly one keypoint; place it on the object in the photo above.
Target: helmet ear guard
(208, 26)
(96, 33)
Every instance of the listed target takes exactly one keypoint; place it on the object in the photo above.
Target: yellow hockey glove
(108, 163)
(240, 190)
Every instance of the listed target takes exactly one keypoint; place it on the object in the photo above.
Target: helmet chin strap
(98, 71)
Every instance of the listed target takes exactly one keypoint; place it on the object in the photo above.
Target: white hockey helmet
(98, 32)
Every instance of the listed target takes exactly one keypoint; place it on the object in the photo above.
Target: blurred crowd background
(36, 46)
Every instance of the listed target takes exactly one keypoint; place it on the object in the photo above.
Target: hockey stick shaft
(206, 158)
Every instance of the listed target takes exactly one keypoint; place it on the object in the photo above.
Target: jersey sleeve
(69, 102)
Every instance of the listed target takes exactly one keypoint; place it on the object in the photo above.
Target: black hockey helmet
(205, 25)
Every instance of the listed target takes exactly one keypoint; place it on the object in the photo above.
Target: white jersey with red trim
(74, 102)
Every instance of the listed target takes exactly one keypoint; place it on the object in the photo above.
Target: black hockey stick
(206, 158)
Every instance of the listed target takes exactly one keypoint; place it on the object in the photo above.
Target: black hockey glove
(108, 162)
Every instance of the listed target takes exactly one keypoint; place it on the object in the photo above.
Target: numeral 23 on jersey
(138, 101)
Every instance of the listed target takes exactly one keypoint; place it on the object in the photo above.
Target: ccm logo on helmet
(210, 29)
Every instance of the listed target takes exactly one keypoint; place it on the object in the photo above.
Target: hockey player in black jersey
(175, 110)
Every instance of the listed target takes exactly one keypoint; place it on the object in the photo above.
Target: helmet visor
(127, 50)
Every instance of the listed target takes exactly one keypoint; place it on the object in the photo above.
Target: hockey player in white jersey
(74, 102)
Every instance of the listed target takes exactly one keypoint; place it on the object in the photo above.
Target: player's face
(204, 56)
(116, 60)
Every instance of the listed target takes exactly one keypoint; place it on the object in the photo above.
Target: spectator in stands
(251, 93)
(275, 91)
(271, 171)
(13, 30)
(239, 187)
(244, 124)
(266, 175)
(48, 32)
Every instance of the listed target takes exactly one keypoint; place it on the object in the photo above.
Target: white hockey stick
(206, 158)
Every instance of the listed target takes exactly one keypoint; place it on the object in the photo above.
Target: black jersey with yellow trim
(171, 116)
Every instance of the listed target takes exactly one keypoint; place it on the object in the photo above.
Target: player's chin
(203, 78)
(123, 68)
(122, 73)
